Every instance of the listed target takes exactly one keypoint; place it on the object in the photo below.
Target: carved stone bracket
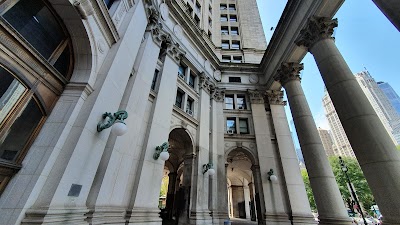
(206, 84)
(152, 11)
(84, 7)
(256, 97)
(218, 94)
(318, 28)
(174, 50)
(275, 97)
(289, 71)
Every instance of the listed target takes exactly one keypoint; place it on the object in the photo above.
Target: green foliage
(310, 195)
(398, 147)
(164, 186)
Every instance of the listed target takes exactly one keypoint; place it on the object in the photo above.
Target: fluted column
(297, 195)
(260, 203)
(326, 192)
(375, 151)
(171, 193)
(391, 9)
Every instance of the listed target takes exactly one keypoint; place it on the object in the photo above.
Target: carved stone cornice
(289, 71)
(158, 34)
(152, 11)
(218, 95)
(317, 28)
(206, 83)
(275, 97)
(256, 97)
(174, 50)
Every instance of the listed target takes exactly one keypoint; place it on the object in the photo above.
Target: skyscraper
(327, 141)
(390, 94)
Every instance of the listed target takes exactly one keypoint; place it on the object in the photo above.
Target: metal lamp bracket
(162, 148)
(120, 116)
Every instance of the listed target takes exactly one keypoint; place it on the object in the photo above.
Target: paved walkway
(242, 222)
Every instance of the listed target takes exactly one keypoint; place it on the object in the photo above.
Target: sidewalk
(236, 221)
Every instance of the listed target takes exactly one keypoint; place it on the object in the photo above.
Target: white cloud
(321, 121)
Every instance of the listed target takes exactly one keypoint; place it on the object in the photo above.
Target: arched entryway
(178, 168)
(243, 186)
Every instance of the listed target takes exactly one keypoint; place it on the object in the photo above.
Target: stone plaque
(217, 75)
(75, 190)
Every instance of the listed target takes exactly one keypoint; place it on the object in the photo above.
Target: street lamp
(344, 169)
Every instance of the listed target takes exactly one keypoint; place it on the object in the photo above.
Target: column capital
(218, 94)
(317, 28)
(256, 96)
(289, 71)
(275, 97)
(255, 167)
(206, 84)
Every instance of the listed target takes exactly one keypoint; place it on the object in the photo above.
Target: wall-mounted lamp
(271, 176)
(162, 152)
(115, 120)
(208, 168)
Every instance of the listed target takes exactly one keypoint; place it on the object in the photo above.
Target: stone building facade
(156, 70)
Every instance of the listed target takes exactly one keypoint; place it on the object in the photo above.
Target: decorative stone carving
(218, 94)
(101, 46)
(275, 97)
(253, 79)
(289, 71)
(84, 8)
(174, 50)
(217, 75)
(164, 11)
(318, 28)
(206, 84)
(256, 97)
(157, 32)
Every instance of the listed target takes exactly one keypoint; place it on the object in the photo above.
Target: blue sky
(364, 37)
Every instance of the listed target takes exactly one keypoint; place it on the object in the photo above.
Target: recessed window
(198, 7)
(179, 98)
(209, 22)
(243, 126)
(209, 34)
(241, 101)
(229, 102)
(189, 106)
(225, 44)
(224, 18)
(233, 18)
(223, 7)
(109, 3)
(224, 31)
(210, 8)
(189, 9)
(232, 7)
(182, 71)
(154, 81)
(226, 58)
(234, 31)
(237, 59)
(192, 78)
(235, 80)
(235, 45)
(197, 19)
(231, 124)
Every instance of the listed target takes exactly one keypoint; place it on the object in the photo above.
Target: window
(237, 59)
(209, 34)
(233, 18)
(50, 39)
(234, 31)
(243, 126)
(109, 3)
(189, 106)
(235, 80)
(210, 9)
(229, 102)
(197, 19)
(241, 101)
(224, 18)
(223, 7)
(226, 58)
(232, 7)
(182, 71)
(198, 7)
(154, 82)
(209, 22)
(225, 44)
(192, 78)
(235, 45)
(224, 31)
(189, 9)
(179, 98)
(231, 124)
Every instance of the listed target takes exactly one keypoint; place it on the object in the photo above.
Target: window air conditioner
(229, 131)
(241, 107)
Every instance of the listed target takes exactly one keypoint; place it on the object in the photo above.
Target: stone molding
(275, 97)
(256, 96)
(289, 71)
(317, 28)
(218, 95)
(206, 84)
(84, 7)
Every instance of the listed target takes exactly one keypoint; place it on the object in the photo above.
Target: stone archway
(179, 166)
(244, 186)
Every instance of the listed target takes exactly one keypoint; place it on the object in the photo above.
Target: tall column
(246, 193)
(298, 201)
(259, 195)
(375, 151)
(183, 203)
(326, 192)
(171, 193)
(252, 203)
(391, 9)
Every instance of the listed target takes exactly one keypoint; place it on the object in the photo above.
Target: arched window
(35, 26)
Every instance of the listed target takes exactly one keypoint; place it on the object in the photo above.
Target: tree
(398, 147)
(164, 186)
(310, 195)
(357, 178)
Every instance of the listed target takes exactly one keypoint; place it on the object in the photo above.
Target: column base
(143, 216)
(56, 216)
(303, 219)
(219, 218)
(200, 218)
(334, 221)
(277, 219)
(106, 215)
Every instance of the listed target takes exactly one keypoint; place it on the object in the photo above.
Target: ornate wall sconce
(208, 168)
(271, 176)
(162, 152)
(115, 120)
